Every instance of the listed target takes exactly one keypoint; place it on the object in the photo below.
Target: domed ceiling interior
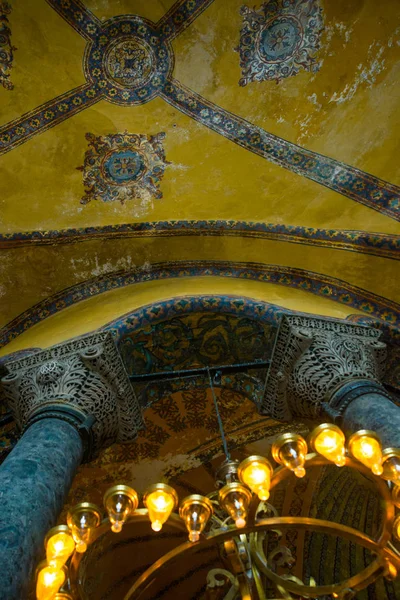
(183, 173)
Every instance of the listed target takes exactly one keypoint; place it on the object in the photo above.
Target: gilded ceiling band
(377, 244)
(308, 281)
(109, 79)
(338, 176)
(47, 115)
(180, 16)
(78, 16)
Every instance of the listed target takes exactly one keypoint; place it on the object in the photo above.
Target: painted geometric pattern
(379, 244)
(6, 48)
(335, 175)
(123, 166)
(196, 339)
(308, 281)
(279, 39)
(131, 40)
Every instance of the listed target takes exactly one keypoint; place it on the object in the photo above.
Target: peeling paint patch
(148, 471)
(366, 75)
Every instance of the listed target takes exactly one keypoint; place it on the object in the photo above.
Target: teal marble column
(34, 482)
(70, 402)
(376, 412)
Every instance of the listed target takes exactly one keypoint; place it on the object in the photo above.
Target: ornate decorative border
(78, 16)
(7, 54)
(264, 312)
(47, 116)
(333, 174)
(307, 281)
(180, 16)
(378, 244)
(340, 177)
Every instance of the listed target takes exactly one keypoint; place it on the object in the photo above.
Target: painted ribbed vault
(165, 160)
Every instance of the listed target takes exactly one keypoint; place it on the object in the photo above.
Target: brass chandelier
(243, 489)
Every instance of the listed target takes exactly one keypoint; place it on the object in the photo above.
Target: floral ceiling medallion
(123, 166)
(6, 48)
(279, 39)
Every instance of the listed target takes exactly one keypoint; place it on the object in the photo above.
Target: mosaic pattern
(47, 115)
(344, 179)
(128, 60)
(6, 47)
(194, 340)
(123, 166)
(378, 244)
(279, 39)
(137, 71)
(78, 16)
(308, 281)
(180, 16)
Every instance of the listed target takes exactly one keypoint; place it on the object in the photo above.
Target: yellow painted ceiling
(348, 110)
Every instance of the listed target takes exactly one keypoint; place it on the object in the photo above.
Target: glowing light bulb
(235, 498)
(299, 472)
(328, 440)
(160, 500)
(255, 472)
(49, 581)
(59, 546)
(195, 510)
(290, 450)
(365, 446)
(83, 520)
(396, 528)
(391, 465)
(156, 525)
(120, 501)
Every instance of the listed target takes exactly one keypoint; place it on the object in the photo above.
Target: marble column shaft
(375, 412)
(34, 482)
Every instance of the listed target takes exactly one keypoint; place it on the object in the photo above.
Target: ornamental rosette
(123, 166)
(279, 39)
(6, 47)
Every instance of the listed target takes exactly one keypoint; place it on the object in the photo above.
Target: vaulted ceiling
(157, 149)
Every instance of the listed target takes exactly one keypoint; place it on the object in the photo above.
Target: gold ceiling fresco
(139, 135)
(201, 161)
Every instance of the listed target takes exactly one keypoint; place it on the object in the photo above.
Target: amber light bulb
(255, 472)
(120, 501)
(160, 500)
(365, 446)
(391, 465)
(290, 450)
(235, 498)
(49, 581)
(396, 528)
(329, 441)
(83, 520)
(195, 511)
(59, 545)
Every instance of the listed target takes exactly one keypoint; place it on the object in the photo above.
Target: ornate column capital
(82, 381)
(318, 364)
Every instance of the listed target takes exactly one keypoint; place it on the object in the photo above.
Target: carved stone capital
(82, 381)
(313, 359)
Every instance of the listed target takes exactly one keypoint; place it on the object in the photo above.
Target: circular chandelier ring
(184, 550)
(316, 460)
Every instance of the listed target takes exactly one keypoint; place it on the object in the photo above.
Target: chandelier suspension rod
(233, 368)
(220, 425)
